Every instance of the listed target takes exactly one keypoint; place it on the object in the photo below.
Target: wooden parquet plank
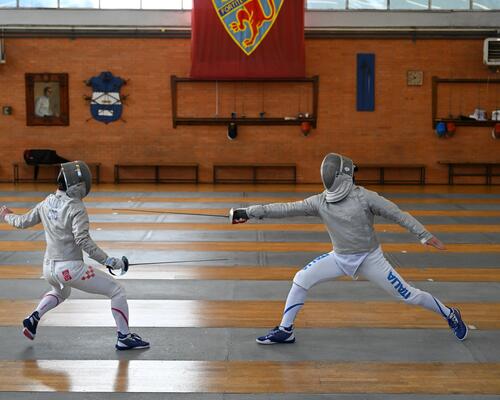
(390, 228)
(292, 188)
(252, 200)
(242, 313)
(255, 273)
(255, 246)
(248, 377)
(224, 211)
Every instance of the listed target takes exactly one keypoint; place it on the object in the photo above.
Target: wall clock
(414, 78)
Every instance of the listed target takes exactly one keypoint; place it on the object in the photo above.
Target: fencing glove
(114, 263)
(4, 211)
(238, 216)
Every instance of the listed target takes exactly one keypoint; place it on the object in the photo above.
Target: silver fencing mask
(77, 177)
(336, 173)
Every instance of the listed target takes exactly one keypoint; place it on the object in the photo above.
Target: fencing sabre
(124, 270)
(229, 216)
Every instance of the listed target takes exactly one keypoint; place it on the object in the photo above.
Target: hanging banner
(247, 39)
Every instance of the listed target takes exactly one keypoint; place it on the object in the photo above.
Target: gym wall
(398, 131)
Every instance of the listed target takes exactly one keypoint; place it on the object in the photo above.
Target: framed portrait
(47, 99)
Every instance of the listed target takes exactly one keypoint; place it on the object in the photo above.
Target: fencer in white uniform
(348, 212)
(66, 224)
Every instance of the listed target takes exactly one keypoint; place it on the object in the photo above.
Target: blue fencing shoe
(130, 342)
(30, 325)
(457, 325)
(279, 334)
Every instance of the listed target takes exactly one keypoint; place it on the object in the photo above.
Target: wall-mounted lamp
(2, 48)
(232, 131)
(7, 110)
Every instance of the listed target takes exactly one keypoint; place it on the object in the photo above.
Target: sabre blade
(169, 212)
(180, 261)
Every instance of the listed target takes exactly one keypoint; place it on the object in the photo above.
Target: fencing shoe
(457, 325)
(131, 341)
(279, 334)
(30, 325)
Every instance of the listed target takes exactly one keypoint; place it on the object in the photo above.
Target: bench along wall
(398, 131)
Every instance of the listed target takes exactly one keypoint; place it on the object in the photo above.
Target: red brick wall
(398, 131)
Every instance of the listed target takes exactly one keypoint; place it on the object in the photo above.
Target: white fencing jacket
(350, 221)
(66, 224)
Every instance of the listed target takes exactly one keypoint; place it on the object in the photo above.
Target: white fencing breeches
(321, 269)
(375, 268)
(64, 275)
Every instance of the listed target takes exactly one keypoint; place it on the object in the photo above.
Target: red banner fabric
(240, 39)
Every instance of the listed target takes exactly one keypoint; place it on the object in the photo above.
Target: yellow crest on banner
(247, 21)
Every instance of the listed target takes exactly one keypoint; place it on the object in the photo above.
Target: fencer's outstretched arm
(306, 207)
(31, 218)
(381, 206)
(80, 228)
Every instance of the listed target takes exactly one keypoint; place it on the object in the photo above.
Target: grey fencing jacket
(66, 226)
(350, 221)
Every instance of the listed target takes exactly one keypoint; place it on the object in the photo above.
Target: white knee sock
(119, 308)
(294, 303)
(48, 302)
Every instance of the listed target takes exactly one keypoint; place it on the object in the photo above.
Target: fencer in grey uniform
(66, 224)
(348, 212)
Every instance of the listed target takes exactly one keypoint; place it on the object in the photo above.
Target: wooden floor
(222, 211)
(481, 228)
(249, 246)
(255, 273)
(242, 314)
(249, 377)
(272, 370)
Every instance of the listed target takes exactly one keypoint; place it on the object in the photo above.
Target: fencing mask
(337, 176)
(77, 177)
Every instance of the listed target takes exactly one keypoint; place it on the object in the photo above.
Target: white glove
(114, 263)
(4, 210)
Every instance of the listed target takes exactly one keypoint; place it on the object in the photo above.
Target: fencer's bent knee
(117, 290)
(303, 279)
(66, 292)
(61, 293)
